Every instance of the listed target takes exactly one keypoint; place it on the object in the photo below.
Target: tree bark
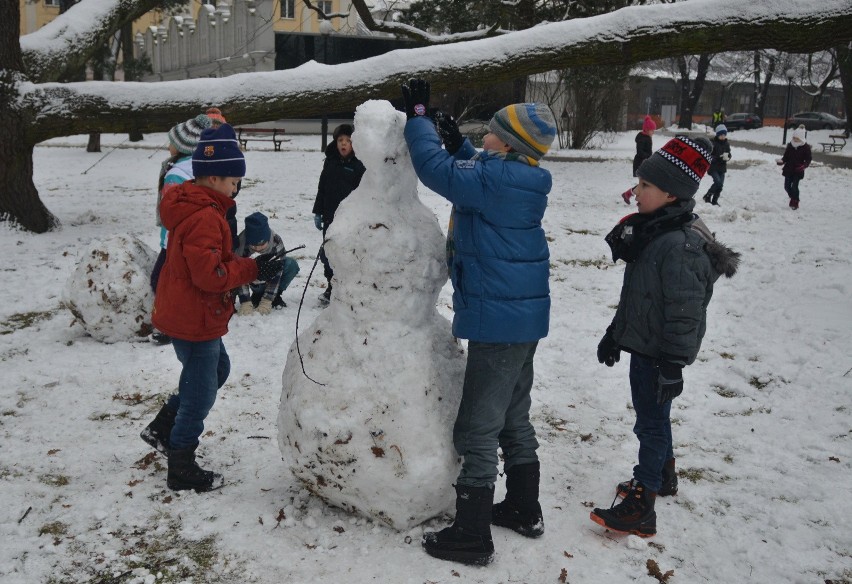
(689, 96)
(844, 64)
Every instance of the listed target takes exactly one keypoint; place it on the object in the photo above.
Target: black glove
(268, 268)
(416, 95)
(669, 381)
(449, 131)
(608, 351)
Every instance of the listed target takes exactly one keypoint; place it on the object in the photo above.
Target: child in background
(341, 174)
(797, 157)
(673, 261)
(719, 164)
(644, 149)
(175, 170)
(499, 266)
(194, 302)
(258, 238)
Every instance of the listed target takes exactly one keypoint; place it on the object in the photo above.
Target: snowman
(367, 409)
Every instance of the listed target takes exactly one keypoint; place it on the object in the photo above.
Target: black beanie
(679, 166)
(343, 130)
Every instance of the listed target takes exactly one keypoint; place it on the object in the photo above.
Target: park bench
(274, 135)
(838, 141)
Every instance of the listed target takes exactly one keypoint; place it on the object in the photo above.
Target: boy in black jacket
(341, 174)
(721, 154)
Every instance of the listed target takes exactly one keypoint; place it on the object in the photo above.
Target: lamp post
(789, 74)
(325, 28)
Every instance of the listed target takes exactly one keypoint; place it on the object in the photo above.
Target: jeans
(653, 426)
(205, 369)
(495, 411)
(791, 186)
(718, 177)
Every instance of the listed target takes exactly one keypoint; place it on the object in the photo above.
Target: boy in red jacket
(194, 303)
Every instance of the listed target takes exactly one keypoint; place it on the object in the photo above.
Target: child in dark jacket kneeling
(672, 263)
(499, 266)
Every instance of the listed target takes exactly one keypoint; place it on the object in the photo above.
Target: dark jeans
(718, 177)
(653, 426)
(791, 186)
(495, 411)
(158, 267)
(205, 369)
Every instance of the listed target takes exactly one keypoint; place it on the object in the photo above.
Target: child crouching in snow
(672, 263)
(499, 267)
(258, 238)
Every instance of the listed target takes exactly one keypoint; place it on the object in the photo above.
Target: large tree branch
(66, 43)
(627, 36)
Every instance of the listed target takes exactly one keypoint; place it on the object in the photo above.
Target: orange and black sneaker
(634, 514)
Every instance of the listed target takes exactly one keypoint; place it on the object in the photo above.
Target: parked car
(743, 121)
(816, 121)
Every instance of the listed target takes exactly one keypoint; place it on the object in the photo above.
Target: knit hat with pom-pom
(184, 136)
(678, 167)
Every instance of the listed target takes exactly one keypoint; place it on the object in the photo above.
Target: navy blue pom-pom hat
(218, 154)
(257, 229)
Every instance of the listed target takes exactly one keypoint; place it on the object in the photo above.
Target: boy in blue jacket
(499, 267)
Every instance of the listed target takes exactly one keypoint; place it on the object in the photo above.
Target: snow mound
(376, 437)
(110, 292)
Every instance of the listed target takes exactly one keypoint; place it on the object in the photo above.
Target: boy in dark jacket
(797, 157)
(672, 263)
(720, 156)
(341, 174)
(194, 303)
(499, 267)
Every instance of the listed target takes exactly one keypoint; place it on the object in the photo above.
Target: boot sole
(179, 486)
(638, 531)
(469, 558)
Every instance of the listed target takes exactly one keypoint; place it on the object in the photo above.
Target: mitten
(416, 96)
(627, 194)
(669, 381)
(449, 131)
(779, 161)
(246, 308)
(318, 221)
(726, 156)
(265, 306)
(268, 268)
(608, 351)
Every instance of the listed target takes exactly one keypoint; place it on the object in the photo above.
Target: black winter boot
(184, 472)
(521, 511)
(707, 196)
(468, 539)
(256, 296)
(635, 514)
(668, 488)
(715, 199)
(157, 432)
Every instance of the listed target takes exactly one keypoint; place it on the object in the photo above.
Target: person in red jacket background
(194, 301)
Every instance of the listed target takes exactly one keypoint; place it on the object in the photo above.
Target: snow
(762, 430)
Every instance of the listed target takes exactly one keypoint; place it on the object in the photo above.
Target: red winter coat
(194, 300)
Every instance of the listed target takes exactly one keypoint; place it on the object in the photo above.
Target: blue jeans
(205, 369)
(653, 426)
(791, 186)
(718, 182)
(495, 411)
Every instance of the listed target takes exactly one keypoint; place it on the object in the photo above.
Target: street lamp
(789, 74)
(325, 28)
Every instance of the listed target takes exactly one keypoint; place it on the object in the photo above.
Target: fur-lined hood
(723, 259)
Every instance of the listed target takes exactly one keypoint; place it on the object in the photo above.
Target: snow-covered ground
(763, 433)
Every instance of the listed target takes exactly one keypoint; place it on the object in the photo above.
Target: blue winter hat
(529, 128)
(218, 154)
(721, 129)
(257, 228)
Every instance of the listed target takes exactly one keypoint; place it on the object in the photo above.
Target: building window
(325, 6)
(51, 3)
(288, 8)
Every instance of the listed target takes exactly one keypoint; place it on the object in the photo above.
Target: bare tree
(34, 109)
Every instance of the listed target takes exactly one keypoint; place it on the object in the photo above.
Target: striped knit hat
(679, 166)
(218, 154)
(185, 135)
(529, 128)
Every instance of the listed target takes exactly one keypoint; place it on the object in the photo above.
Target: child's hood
(723, 259)
(187, 199)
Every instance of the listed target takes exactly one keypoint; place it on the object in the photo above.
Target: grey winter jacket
(662, 312)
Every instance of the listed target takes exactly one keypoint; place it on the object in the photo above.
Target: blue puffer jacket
(497, 253)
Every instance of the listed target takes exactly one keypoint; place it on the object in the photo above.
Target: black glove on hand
(416, 95)
(268, 268)
(608, 351)
(669, 381)
(449, 131)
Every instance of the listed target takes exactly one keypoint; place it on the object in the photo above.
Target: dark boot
(794, 204)
(157, 432)
(256, 296)
(521, 511)
(468, 539)
(707, 196)
(635, 514)
(325, 297)
(184, 472)
(668, 488)
(715, 199)
(278, 302)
